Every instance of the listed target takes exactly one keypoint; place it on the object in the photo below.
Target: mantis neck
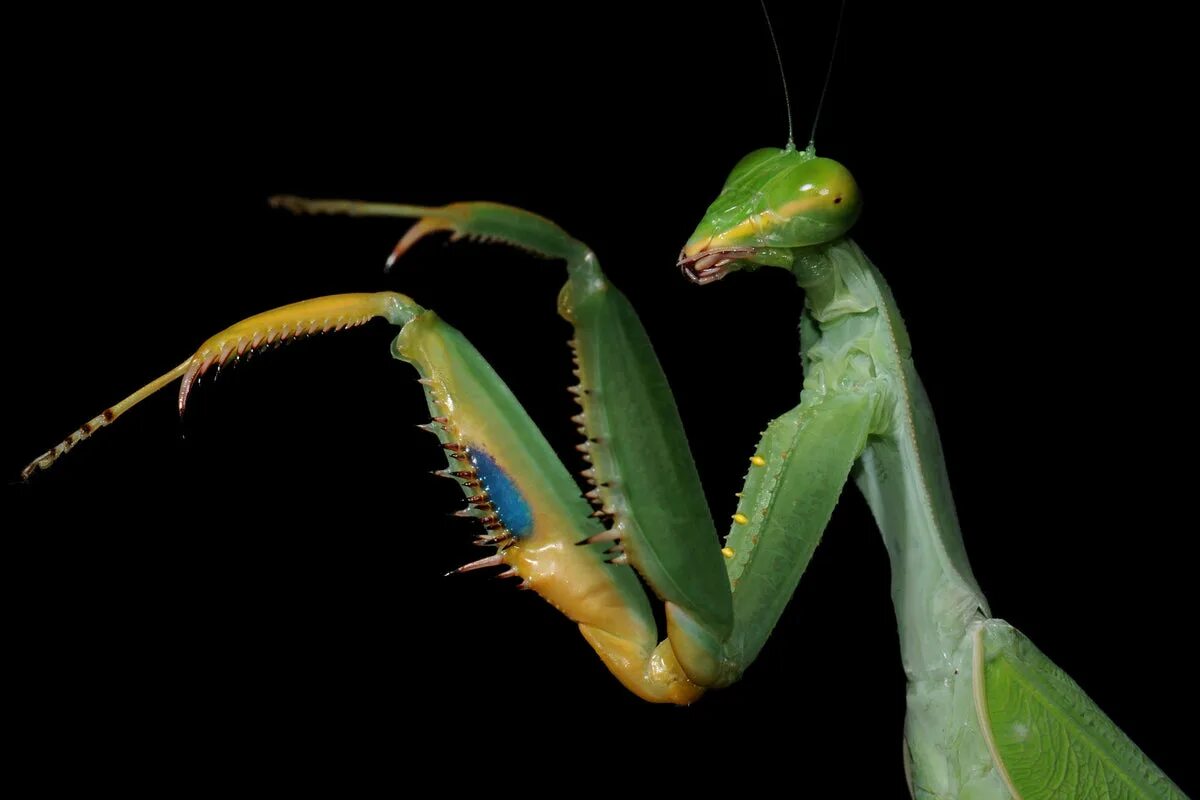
(852, 335)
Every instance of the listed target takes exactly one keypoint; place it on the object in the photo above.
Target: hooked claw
(454, 217)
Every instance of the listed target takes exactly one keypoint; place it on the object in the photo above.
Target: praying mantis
(300, 461)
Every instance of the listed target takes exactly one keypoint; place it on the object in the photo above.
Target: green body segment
(1049, 738)
(647, 479)
(796, 476)
(854, 337)
(524, 229)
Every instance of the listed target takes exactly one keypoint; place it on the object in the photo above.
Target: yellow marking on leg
(758, 461)
(334, 312)
(740, 519)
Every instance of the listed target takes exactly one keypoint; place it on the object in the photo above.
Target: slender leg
(796, 476)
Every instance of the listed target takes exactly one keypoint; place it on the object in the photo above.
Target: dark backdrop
(253, 597)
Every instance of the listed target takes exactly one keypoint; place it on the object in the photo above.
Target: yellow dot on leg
(727, 552)
(740, 519)
(758, 461)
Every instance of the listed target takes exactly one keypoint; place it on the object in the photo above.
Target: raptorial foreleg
(530, 508)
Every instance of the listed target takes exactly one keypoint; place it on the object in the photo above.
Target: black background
(253, 597)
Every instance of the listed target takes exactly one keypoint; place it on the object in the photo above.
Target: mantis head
(774, 203)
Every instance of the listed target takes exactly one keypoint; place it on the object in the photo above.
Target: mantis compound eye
(816, 203)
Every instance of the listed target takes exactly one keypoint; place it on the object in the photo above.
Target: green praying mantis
(607, 260)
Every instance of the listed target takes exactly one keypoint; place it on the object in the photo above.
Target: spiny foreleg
(528, 504)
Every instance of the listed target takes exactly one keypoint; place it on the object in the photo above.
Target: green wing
(1048, 738)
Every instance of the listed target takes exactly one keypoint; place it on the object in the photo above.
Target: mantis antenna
(787, 100)
(837, 35)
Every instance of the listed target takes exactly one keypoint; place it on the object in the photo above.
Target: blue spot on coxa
(511, 506)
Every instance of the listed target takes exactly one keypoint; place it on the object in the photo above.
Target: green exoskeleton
(988, 715)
